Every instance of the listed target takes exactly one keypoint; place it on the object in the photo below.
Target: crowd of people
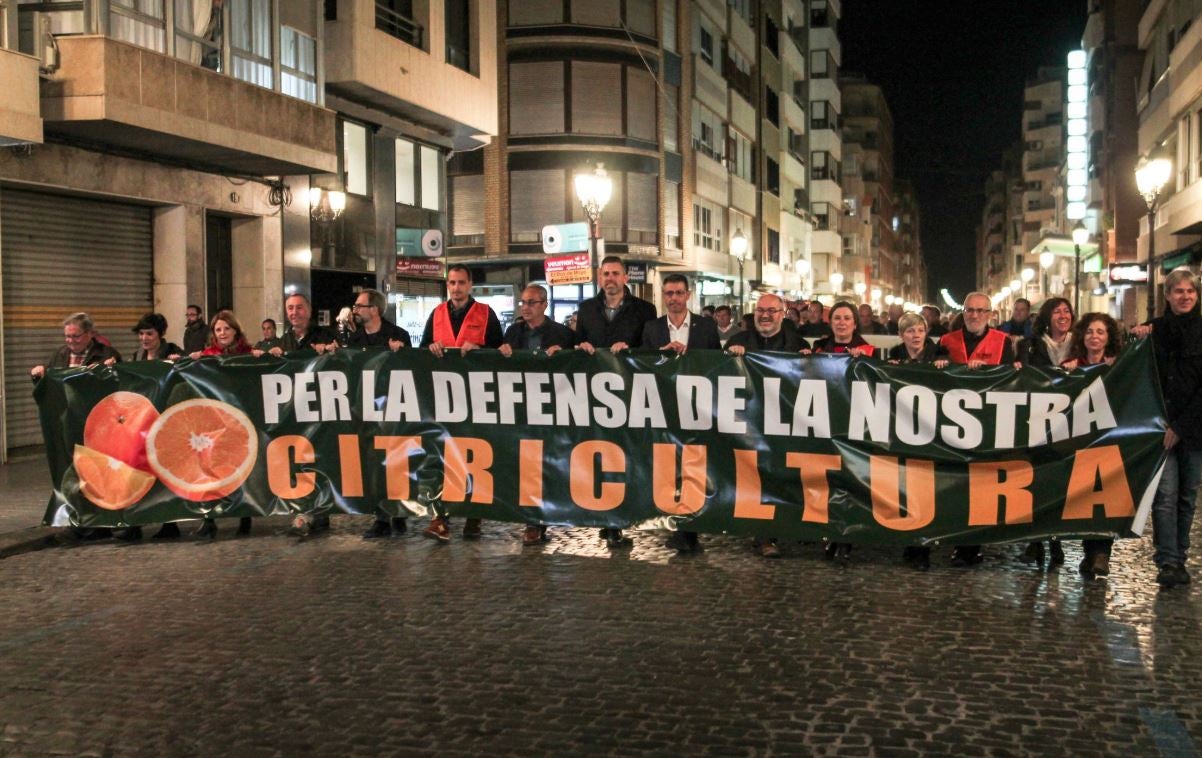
(615, 320)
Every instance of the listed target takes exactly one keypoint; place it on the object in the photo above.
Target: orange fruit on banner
(107, 482)
(202, 449)
(118, 425)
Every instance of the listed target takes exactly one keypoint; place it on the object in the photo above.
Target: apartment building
(697, 112)
(826, 145)
(868, 124)
(910, 284)
(1169, 105)
(158, 155)
(414, 84)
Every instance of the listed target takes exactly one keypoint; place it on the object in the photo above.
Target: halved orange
(202, 449)
(107, 482)
(118, 425)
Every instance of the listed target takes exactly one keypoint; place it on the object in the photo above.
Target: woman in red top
(225, 338)
(1096, 340)
(845, 336)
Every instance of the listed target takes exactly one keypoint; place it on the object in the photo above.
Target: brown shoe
(1099, 565)
(471, 529)
(533, 535)
(769, 549)
(438, 530)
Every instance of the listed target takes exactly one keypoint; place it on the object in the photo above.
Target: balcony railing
(396, 25)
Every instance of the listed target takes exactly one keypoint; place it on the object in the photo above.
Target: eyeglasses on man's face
(976, 311)
(524, 303)
(768, 311)
(360, 306)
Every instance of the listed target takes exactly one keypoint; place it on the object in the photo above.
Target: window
(640, 16)
(820, 165)
(668, 21)
(672, 215)
(597, 13)
(706, 49)
(742, 9)
(354, 157)
(742, 157)
(198, 33)
(772, 36)
(823, 116)
(395, 18)
(706, 128)
(773, 246)
(642, 221)
(432, 168)
(536, 198)
(250, 41)
(799, 201)
(459, 34)
(772, 105)
(819, 14)
(796, 145)
(704, 232)
(536, 104)
(139, 22)
(467, 209)
(406, 172)
(772, 176)
(298, 64)
(596, 98)
(640, 104)
(1183, 156)
(536, 12)
(821, 64)
(672, 118)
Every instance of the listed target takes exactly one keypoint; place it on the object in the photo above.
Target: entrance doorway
(219, 263)
(335, 290)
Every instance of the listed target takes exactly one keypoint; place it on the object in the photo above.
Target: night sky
(953, 74)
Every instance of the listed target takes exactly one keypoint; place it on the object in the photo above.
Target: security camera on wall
(432, 243)
(552, 239)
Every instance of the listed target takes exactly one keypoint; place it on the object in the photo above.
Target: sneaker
(534, 535)
(471, 529)
(438, 529)
(378, 529)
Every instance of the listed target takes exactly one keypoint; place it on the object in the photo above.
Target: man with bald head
(768, 335)
(976, 345)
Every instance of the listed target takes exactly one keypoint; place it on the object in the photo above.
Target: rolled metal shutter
(63, 254)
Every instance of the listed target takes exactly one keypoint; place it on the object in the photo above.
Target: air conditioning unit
(34, 38)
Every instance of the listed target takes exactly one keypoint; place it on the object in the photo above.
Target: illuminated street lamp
(836, 282)
(594, 189)
(326, 206)
(1080, 237)
(1027, 275)
(738, 249)
(1150, 177)
(860, 288)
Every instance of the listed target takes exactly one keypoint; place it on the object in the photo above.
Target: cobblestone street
(266, 645)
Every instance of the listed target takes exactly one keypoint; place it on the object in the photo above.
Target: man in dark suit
(612, 319)
(681, 331)
(678, 329)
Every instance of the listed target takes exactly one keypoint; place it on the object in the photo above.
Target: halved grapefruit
(202, 449)
(107, 482)
(118, 426)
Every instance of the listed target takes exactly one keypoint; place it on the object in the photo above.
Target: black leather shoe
(965, 556)
(922, 558)
(1167, 576)
(302, 525)
(207, 530)
(378, 529)
(243, 526)
(1181, 574)
(399, 526)
(683, 542)
(1034, 553)
(168, 531)
(129, 534)
(1057, 554)
(843, 553)
(615, 541)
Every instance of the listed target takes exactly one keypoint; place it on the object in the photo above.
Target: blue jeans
(1173, 507)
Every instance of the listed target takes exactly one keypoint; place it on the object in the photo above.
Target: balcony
(379, 61)
(20, 119)
(130, 97)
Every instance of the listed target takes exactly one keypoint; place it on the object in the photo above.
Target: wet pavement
(266, 645)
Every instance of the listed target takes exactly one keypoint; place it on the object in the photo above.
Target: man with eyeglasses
(534, 331)
(302, 333)
(81, 349)
(680, 330)
(196, 331)
(977, 345)
(767, 335)
(613, 319)
(371, 328)
(461, 323)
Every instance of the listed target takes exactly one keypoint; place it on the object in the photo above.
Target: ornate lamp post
(594, 189)
(326, 206)
(1046, 259)
(1150, 178)
(1080, 237)
(738, 249)
(1027, 275)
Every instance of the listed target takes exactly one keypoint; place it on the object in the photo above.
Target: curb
(28, 540)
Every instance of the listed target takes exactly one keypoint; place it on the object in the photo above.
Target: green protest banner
(807, 447)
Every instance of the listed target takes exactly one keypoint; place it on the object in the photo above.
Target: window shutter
(596, 98)
(597, 13)
(640, 104)
(467, 205)
(641, 190)
(535, 12)
(536, 198)
(536, 98)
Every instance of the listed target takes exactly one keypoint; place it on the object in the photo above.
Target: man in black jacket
(613, 319)
(196, 331)
(1177, 337)
(681, 331)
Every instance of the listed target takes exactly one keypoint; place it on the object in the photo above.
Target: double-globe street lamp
(1046, 259)
(738, 249)
(1027, 275)
(1150, 178)
(594, 189)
